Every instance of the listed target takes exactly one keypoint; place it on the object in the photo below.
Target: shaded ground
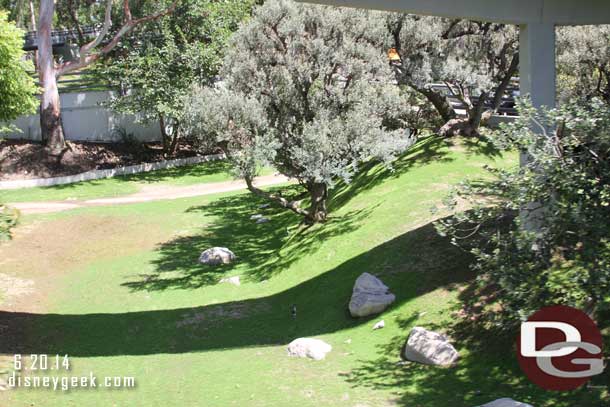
(24, 160)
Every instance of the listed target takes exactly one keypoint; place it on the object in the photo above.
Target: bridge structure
(59, 38)
(537, 20)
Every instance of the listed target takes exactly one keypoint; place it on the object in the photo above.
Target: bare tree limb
(129, 24)
(283, 202)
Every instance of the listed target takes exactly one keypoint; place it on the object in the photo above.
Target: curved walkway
(148, 194)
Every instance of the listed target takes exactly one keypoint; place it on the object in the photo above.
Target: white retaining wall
(85, 120)
(99, 174)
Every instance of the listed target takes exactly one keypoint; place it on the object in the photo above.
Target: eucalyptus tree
(474, 61)
(49, 71)
(304, 90)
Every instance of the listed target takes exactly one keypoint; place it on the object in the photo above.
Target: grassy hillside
(120, 291)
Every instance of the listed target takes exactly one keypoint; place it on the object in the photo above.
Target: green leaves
(17, 87)
(565, 258)
(8, 220)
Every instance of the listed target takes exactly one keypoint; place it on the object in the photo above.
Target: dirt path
(148, 194)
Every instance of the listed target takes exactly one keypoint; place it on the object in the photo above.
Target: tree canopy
(156, 66)
(305, 89)
(17, 87)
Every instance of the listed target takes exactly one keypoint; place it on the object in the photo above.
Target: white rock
(216, 256)
(262, 220)
(379, 325)
(256, 217)
(264, 206)
(370, 296)
(315, 349)
(506, 402)
(231, 280)
(429, 348)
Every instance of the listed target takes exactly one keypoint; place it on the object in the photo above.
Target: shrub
(540, 233)
(8, 220)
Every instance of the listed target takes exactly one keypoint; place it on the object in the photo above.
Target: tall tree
(49, 71)
(154, 72)
(304, 90)
(584, 62)
(475, 61)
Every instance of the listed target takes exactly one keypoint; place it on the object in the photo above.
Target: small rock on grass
(262, 220)
(216, 256)
(379, 325)
(231, 280)
(256, 217)
(370, 296)
(429, 348)
(315, 349)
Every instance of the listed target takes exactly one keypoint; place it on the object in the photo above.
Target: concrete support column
(537, 63)
(538, 81)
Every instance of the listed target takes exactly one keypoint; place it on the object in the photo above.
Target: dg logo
(560, 348)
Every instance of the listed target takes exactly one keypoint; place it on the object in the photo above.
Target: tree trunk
(170, 142)
(50, 113)
(319, 195)
(317, 191)
(440, 103)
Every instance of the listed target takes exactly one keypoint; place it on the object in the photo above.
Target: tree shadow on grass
(412, 264)
(487, 369)
(482, 375)
(373, 173)
(263, 250)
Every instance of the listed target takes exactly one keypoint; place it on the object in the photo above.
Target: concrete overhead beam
(558, 12)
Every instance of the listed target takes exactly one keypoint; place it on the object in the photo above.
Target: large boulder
(216, 256)
(315, 349)
(429, 348)
(370, 296)
(506, 402)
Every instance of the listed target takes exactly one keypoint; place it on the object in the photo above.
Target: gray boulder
(231, 280)
(506, 402)
(370, 296)
(429, 348)
(315, 349)
(216, 256)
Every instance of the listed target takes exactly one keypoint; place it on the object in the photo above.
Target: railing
(58, 37)
(507, 104)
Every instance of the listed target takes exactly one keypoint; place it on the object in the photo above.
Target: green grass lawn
(214, 171)
(123, 295)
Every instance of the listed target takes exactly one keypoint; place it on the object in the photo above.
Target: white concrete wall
(85, 120)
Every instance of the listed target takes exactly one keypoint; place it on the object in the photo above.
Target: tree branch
(283, 202)
(86, 58)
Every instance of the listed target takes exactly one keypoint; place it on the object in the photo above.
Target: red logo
(560, 348)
